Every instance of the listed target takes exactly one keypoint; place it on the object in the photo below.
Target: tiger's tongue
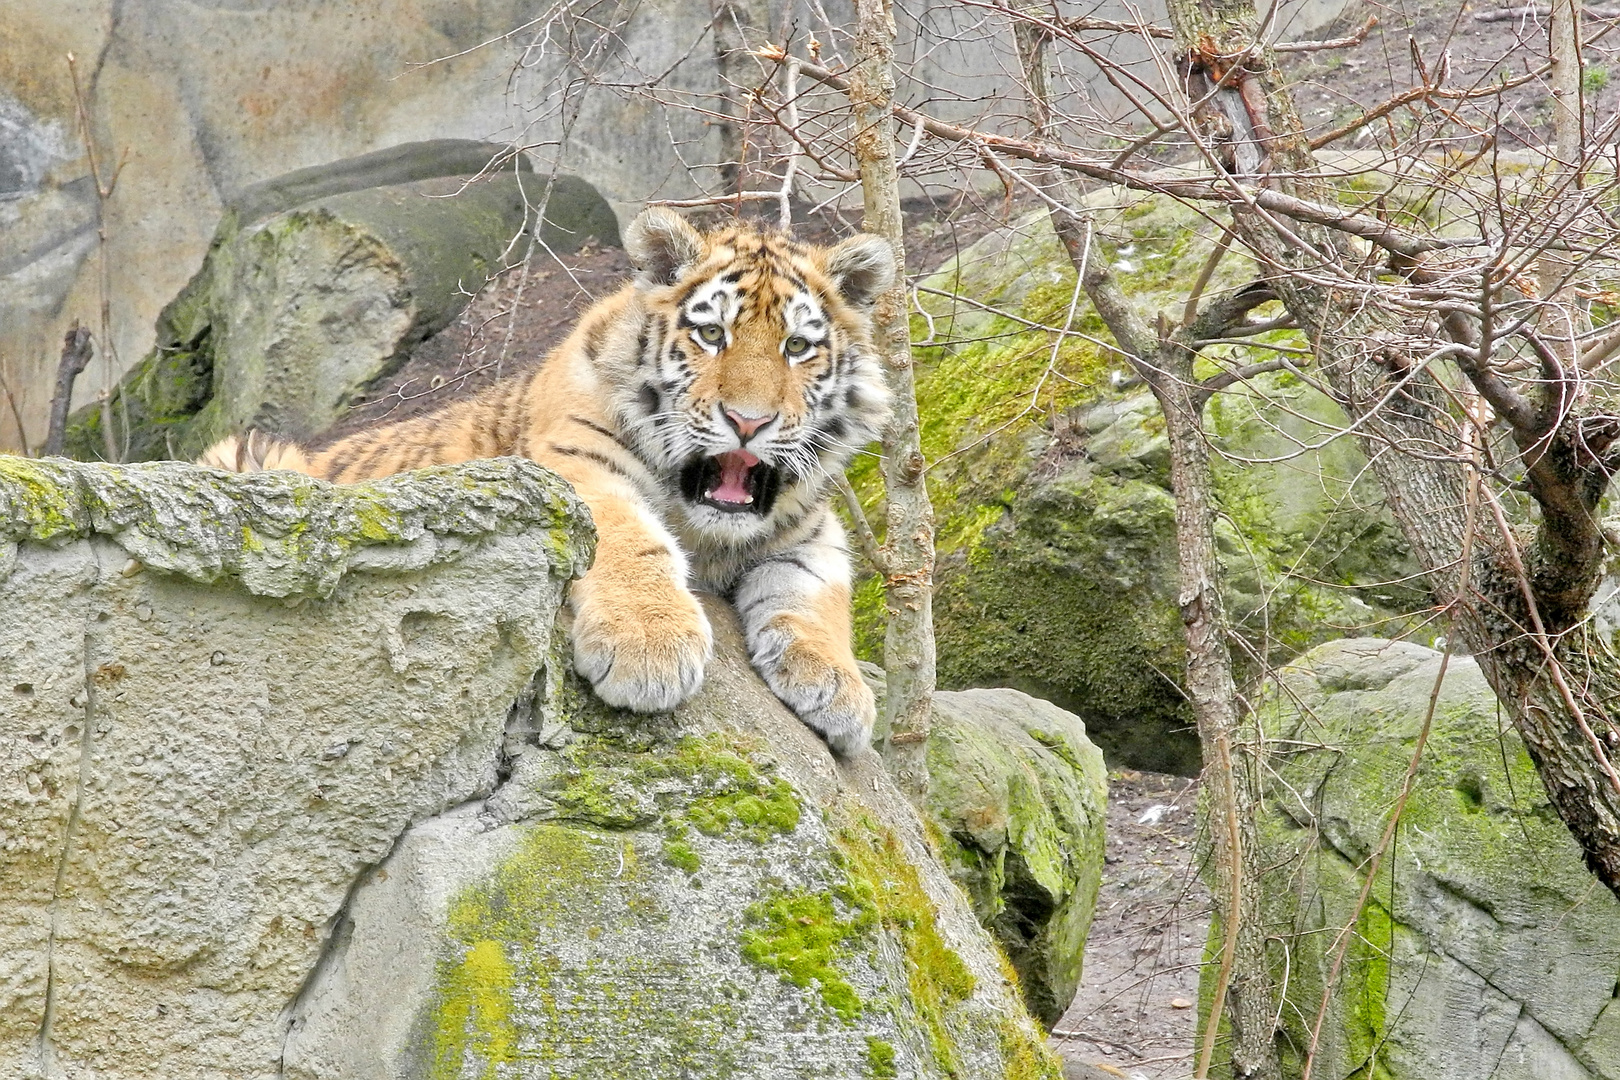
(733, 485)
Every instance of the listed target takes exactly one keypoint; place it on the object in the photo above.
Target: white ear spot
(862, 268)
(661, 244)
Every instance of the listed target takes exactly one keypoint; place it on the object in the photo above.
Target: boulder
(1050, 477)
(1486, 950)
(295, 780)
(1017, 798)
(322, 281)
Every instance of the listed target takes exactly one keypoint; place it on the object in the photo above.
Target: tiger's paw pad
(831, 698)
(640, 659)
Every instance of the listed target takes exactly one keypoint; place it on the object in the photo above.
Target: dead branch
(76, 353)
(16, 409)
(1115, 26)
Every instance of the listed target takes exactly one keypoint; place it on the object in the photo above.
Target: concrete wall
(199, 98)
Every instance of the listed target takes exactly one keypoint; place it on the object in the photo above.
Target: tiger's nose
(746, 426)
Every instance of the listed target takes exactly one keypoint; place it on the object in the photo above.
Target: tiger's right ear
(661, 244)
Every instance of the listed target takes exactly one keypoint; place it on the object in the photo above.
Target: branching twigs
(1175, 183)
(104, 192)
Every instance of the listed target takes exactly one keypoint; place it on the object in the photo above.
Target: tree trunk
(908, 545)
(1244, 991)
(1520, 619)
(1165, 363)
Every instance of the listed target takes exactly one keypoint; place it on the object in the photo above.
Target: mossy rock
(1017, 797)
(320, 282)
(703, 894)
(1486, 951)
(1057, 568)
(296, 779)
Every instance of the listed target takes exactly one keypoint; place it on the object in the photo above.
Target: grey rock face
(322, 281)
(1487, 951)
(224, 698)
(282, 793)
(1022, 794)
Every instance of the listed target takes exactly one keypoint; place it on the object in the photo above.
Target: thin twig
(16, 411)
(863, 528)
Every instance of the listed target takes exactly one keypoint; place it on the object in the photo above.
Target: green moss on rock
(1056, 569)
(805, 937)
(880, 1058)
(936, 976)
(706, 782)
(1453, 924)
(284, 534)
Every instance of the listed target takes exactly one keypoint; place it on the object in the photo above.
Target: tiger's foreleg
(795, 611)
(640, 636)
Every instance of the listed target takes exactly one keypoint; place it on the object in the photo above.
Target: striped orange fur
(701, 412)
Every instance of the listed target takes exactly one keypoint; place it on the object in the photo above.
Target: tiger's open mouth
(735, 482)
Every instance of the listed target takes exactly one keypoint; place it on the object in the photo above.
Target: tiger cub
(701, 412)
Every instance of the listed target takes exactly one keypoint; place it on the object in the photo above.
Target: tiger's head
(755, 379)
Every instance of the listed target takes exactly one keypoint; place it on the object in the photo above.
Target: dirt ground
(1135, 1015)
(1414, 36)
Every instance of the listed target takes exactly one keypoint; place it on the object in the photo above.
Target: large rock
(322, 281)
(1050, 477)
(1486, 951)
(282, 794)
(1017, 796)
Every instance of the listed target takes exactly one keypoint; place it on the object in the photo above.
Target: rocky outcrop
(1486, 950)
(322, 281)
(282, 794)
(1050, 475)
(1017, 798)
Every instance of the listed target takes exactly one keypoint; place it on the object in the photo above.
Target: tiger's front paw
(826, 691)
(641, 651)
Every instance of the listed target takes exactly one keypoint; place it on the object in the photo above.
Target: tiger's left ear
(861, 268)
(661, 244)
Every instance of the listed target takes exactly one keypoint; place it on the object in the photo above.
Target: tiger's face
(756, 379)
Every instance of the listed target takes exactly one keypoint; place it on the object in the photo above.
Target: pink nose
(747, 425)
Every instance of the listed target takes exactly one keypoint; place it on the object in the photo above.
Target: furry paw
(826, 692)
(641, 652)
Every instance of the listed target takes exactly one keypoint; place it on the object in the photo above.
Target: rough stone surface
(1021, 791)
(224, 697)
(282, 794)
(1018, 795)
(322, 281)
(1056, 525)
(1487, 952)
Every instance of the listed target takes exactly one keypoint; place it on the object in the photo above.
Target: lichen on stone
(286, 534)
(706, 782)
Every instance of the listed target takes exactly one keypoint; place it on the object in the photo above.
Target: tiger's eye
(796, 346)
(712, 333)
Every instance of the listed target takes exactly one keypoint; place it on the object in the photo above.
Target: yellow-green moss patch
(806, 936)
(880, 1058)
(935, 975)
